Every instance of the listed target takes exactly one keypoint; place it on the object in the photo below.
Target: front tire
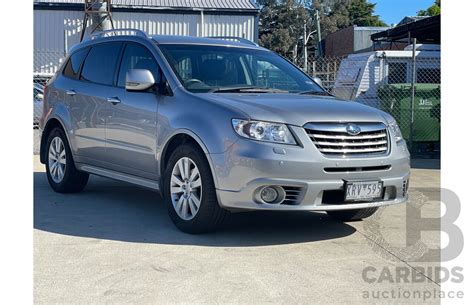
(352, 215)
(190, 193)
(60, 169)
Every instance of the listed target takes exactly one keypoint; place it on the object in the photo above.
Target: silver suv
(217, 126)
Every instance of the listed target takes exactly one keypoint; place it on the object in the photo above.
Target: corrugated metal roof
(207, 4)
(409, 19)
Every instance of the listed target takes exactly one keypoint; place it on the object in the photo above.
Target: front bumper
(249, 165)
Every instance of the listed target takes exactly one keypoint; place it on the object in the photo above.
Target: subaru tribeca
(216, 126)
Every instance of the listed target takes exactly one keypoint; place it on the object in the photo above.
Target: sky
(392, 11)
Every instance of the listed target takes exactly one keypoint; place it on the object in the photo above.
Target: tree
(282, 21)
(361, 13)
(339, 14)
(281, 24)
(433, 10)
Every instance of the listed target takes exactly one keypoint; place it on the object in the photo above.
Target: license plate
(363, 190)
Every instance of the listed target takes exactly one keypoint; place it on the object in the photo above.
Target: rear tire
(60, 169)
(190, 193)
(352, 215)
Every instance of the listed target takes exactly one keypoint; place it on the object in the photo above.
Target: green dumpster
(396, 100)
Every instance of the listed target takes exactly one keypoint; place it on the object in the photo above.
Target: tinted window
(74, 63)
(137, 57)
(100, 64)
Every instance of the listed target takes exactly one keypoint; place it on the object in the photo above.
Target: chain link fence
(45, 64)
(408, 88)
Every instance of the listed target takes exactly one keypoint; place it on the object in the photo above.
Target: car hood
(295, 109)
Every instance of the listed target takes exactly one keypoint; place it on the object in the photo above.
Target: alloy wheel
(185, 188)
(57, 159)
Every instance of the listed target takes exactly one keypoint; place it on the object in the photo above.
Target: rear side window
(74, 63)
(137, 56)
(101, 62)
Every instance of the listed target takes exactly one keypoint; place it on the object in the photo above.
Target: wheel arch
(178, 138)
(50, 125)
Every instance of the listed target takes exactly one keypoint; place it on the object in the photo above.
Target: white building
(58, 23)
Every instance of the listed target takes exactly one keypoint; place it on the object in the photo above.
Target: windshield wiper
(314, 92)
(249, 89)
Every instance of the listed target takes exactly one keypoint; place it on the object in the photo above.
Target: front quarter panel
(206, 121)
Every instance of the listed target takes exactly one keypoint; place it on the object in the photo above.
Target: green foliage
(433, 10)
(361, 13)
(282, 22)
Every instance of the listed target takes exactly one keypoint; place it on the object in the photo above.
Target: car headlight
(263, 131)
(396, 132)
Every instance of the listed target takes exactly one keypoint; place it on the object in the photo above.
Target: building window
(397, 73)
(428, 76)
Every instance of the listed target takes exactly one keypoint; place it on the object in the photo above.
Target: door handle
(114, 100)
(71, 92)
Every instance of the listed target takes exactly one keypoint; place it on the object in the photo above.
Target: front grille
(357, 169)
(333, 139)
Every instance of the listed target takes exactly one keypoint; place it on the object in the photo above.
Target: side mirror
(318, 81)
(139, 80)
(40, 96)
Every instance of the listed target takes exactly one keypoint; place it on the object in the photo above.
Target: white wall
(57, 31)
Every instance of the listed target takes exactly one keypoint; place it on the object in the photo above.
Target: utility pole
(318, 27)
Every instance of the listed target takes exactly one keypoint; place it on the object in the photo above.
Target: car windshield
(232, 69)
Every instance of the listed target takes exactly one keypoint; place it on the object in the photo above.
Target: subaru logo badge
(353, 129)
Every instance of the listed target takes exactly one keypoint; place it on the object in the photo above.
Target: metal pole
(202, 23)
(65, 42)
(84, 26)
(305, 49)
(412, 101)
(320, 52)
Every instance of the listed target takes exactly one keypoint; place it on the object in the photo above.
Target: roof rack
(117, 32)
(234, 38)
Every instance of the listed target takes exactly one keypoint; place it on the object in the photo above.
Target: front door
(131, 131)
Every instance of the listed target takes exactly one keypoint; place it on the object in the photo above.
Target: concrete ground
(114, 243)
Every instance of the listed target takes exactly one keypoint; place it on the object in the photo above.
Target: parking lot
(114, 243)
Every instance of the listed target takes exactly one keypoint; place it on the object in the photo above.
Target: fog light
(269, 194)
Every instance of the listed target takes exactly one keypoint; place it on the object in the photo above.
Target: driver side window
(137, 56)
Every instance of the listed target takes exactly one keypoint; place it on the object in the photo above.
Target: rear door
(131, 133)
(90, 108)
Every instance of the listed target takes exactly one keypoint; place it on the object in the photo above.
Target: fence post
(65, 43)
(412, 101)
(305, 49)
